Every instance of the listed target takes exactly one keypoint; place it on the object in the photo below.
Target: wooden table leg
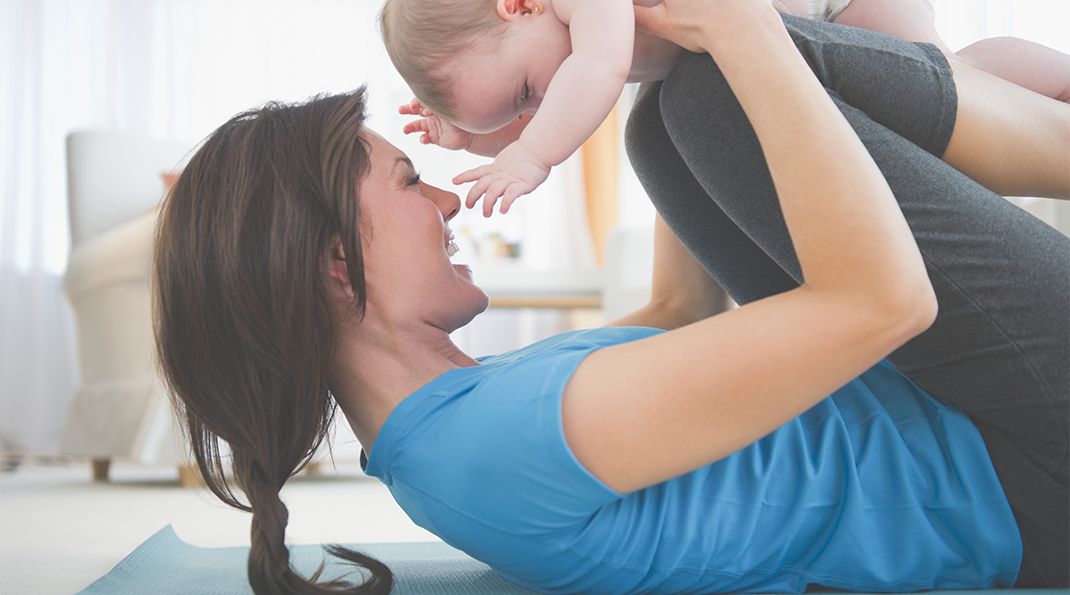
(100, 469)
(189, 476)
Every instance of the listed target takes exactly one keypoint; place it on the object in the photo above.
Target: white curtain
(176, 69)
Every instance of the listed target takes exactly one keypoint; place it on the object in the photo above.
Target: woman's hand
(693, 24)
(434, 130)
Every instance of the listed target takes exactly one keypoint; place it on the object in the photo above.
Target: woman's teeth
(451, 246)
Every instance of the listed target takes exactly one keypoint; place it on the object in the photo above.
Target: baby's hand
(434, 130)
(515, 172)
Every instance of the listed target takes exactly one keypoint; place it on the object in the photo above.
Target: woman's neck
(375, 369)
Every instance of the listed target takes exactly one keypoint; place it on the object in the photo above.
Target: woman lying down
(301, 264)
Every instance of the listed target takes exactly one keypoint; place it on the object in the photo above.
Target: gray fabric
(999, 348)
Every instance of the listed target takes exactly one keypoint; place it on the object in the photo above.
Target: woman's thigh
(738, 265)
(999, 347)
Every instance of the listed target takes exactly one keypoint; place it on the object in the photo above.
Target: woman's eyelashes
(413, 180)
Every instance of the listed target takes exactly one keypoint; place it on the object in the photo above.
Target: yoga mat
(166, 565)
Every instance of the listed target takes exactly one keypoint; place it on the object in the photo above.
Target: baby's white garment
(827, 10)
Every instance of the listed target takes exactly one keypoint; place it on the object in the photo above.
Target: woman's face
(405, 232)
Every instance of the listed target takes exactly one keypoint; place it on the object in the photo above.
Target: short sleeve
(524, 458)
(497, 453)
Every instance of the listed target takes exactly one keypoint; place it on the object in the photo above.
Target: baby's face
(497, 81)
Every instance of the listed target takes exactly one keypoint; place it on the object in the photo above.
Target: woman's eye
(413, 180)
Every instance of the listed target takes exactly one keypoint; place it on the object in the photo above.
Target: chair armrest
(120, 255)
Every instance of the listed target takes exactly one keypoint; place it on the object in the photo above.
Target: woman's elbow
(916, 306)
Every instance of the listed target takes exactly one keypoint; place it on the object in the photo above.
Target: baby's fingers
(415, 126)
(493, 193)
(476, 191)
(414, 108)
(512, 193)
(473, 174)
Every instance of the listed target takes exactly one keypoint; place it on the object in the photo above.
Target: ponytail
(243, 323)
(269, 569)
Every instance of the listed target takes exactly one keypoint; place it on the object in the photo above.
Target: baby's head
(426, 38)
(476, 63)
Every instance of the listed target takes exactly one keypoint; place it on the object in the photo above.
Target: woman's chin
(469, 300)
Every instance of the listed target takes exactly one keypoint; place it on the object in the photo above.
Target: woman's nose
(447, 202)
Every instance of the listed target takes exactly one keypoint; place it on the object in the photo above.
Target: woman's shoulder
(502, 394)
(592, 338)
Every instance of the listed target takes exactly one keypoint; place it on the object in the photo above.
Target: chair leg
(189, 476)
(100, 469)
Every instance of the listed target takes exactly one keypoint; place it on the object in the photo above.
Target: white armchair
(120, 410)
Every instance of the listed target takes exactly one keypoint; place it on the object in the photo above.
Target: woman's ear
(336, 268)
(511, 9)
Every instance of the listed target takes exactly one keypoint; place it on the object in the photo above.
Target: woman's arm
(681, 291)
(640, 413)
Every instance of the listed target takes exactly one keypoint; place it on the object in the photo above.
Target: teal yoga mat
(166, 565)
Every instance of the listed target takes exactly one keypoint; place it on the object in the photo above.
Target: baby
(528, 81)
(482, 70)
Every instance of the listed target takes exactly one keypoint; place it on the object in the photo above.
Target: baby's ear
(507, 9)
(511, 9)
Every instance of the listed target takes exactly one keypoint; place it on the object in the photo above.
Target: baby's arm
(489, 145)
(580, 95)
(589, 82)
(434, 130)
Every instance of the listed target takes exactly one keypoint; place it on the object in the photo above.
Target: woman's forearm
(847, 229)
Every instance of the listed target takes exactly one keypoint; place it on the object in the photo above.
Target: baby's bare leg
(1026, 63)
(1031, 65)
(1014, 141)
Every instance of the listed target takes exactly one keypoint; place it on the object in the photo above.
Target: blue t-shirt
(876, 488)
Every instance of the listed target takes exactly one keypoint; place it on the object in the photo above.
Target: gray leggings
(999, 348)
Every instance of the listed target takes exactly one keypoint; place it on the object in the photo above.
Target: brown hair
(422, 36)
(243, 323)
